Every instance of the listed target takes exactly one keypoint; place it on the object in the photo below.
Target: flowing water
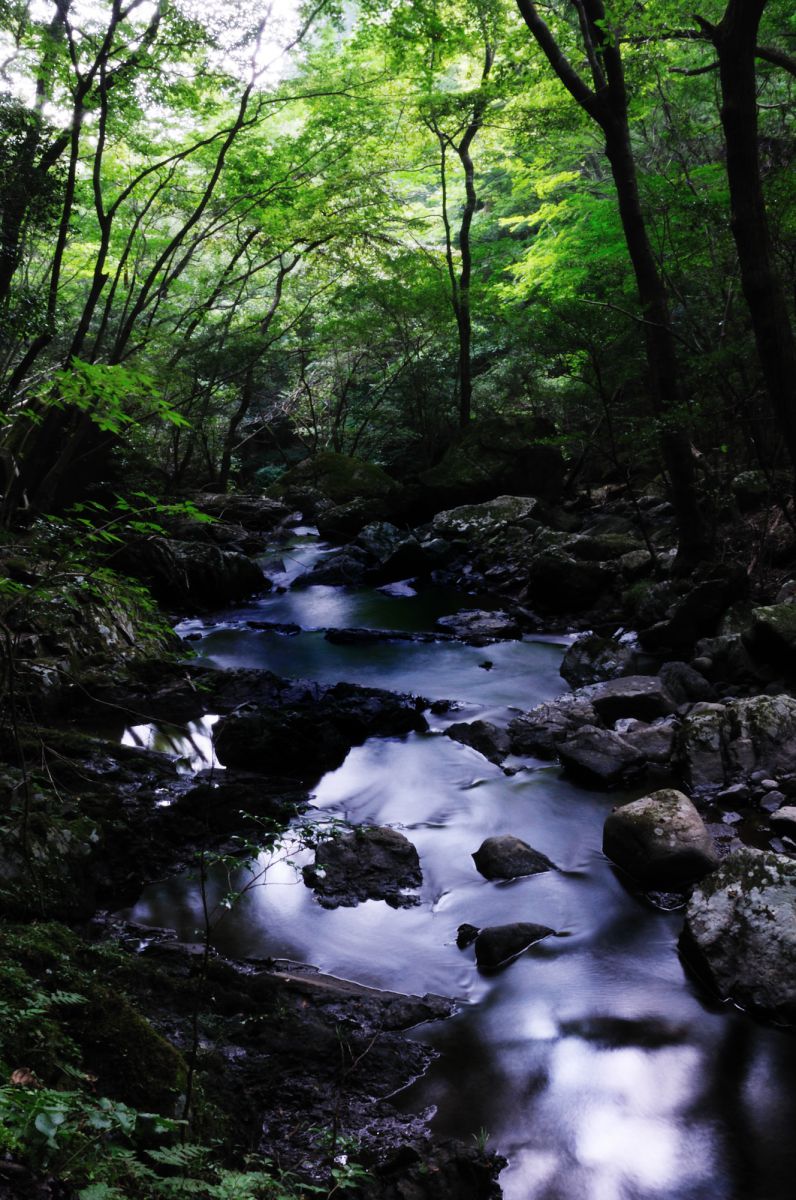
(592, 1062)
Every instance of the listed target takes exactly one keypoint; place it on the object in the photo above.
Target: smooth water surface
(592, 1061)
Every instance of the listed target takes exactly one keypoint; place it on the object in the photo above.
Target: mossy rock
(132, 1062)
(339, 477)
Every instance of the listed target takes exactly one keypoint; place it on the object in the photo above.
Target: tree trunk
(735, 40)
(666, 395)
(606, 103)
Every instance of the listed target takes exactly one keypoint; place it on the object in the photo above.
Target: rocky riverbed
(681, 701)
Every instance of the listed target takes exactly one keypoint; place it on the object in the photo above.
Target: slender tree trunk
(607, 105)
(666, 395)
(735, 39)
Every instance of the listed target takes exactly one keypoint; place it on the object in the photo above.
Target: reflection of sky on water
(592, 1062)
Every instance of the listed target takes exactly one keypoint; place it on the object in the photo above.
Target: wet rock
(697, 613)
(306, 730)
(343, 568)
(785, 818)
(191, 575)
(480, 628)
(558, 582)
(369, 863)
(466, 935)
(772, 635)
(655, 741)
(507, 857)
(499, 944)
(602, 547)
(740, 930)
(540, 731)
(600, 757)
(379, 540)
(340, 522)
(720, 744)
(592, 659)
(451, 1171)
(684, 684)
(483, 736)
(641, 696)
(660, 840)
(251, 512)
(477, 521)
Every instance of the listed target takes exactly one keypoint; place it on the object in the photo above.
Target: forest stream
(593, 1062)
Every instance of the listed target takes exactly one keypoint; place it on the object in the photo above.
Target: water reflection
(592, 1061)
(191, 745)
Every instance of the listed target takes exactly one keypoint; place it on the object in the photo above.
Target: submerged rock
(369, 863)
(498, 944)
(741, 929)
(508, 857)
(660, 840)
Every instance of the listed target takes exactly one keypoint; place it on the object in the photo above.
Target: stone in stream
(367, 863)
(660, 840)
(498, 944)
(720, 744)
(600, 757)
(740, 928)
(482, 736)
(303, 728)
(508, 857)
(480, 628)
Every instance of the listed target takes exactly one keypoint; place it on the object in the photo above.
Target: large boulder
(720, 744)
(600, 757)
(307, 729)
(340, 522)
(483, 736)
(259, 513)
(475, 522)
(499, 455)
(498, 944)
(540, 731)
(740, 930)
(507, 857)
(592, 659)
(191, 575)
(641, 696)
(660, 840)
(368, 863)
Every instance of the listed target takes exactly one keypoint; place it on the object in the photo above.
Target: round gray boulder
(660, 840)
